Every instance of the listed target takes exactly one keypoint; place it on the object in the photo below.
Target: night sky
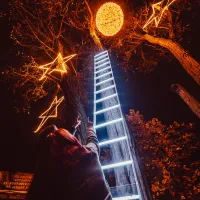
(148, 93)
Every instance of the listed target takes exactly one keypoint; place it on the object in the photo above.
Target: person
(68, 170)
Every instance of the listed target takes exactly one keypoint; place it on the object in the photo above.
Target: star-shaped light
(158, 11)
(51, 112)
(60, 63)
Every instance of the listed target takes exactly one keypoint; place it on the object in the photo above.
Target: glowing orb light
(109, 19)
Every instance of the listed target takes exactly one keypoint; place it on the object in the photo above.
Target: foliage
(167, 153)
(44, 28)
(134, 47)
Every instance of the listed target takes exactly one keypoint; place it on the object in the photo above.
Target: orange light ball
(109, 19)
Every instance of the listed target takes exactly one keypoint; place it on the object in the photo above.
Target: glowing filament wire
(102, 82)
(99, 54)
(106, 109)
(100, 57)
(100, 61)
(108, 123)
(101, 70)
(102, 64)
(107, 88)
(105, 98)
(103, 75)
(156, 17)
(120, 164)
(51, 112)
(112, 141)
(127, 197)
(60, 65)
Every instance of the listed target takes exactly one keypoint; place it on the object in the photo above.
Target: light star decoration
(51, 112)
(60, 63)
(158, 11)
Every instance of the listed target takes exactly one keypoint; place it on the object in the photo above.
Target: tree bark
(189, 64)
(92, 27)
(73, 107)
(187, 98)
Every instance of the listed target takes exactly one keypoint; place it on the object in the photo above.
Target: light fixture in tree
(51, 112)
(109, 19)
(158, 11)
(57, 65)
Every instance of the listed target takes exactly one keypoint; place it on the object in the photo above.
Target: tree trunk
(73, 107)
(187, 98)
(92, 27)
(189, 64)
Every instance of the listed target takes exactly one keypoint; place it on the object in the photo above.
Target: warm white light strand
(120, 164)
(108, 123)
(102, 65)
(113, 141)
(105, 81)
(127, 197)
(106, 109)
(100, 61)
(101, 70)
(100, 54)
(100, 57)
(101, 76)
(104, 89)
(106, 98)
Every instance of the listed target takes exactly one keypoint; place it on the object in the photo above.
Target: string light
(61, 65)
(158, 11)
(51, 112)
(127, 197)
(109, 19)
(119, 164)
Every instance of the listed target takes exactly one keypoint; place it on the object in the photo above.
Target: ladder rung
(107, 80)
(100, 54)
(127, 197)
(101, 57)
(109, 67)
(113, 141)
(102, 65)
(119, 164)
(106, 109)
(103, 75)
(108, 123)
(105, 98)
(104, 89)
(101, 61)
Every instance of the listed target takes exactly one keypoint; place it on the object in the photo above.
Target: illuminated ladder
(101, 66)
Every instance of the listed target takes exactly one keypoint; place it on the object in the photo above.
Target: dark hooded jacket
(68, 170)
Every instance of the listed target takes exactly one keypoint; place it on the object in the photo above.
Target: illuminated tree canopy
(139, 37)
(166, 152)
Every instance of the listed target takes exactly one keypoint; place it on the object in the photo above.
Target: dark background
(150, 94)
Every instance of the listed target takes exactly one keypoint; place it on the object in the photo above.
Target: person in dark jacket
(67, 170)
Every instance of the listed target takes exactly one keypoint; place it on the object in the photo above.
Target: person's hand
(89, 123)
(46, 131)
(77, 123)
